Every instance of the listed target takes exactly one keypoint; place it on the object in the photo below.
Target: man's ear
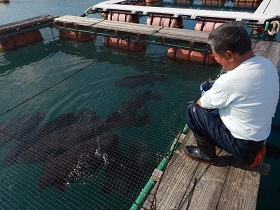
(229, 56)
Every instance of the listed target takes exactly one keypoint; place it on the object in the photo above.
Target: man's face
(225, 60)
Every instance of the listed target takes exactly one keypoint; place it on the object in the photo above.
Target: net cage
(83, 126)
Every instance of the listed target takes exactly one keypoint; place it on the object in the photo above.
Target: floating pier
(23, 33)
(138, 31)
(25, 25)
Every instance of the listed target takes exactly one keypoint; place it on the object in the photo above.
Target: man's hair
(230, 36)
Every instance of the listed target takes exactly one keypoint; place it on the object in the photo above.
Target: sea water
(57, 77)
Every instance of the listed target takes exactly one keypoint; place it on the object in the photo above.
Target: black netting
(82, 126)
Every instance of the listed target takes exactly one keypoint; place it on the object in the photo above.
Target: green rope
(151, 183)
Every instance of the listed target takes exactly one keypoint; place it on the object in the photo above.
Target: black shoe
(200, 155)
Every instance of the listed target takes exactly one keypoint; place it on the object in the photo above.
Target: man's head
(231, 44)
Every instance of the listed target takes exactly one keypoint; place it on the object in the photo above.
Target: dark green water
(57, 77)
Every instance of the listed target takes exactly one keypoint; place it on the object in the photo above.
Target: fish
(141, 80)
(29, 139)
(127, 172)
(137, 101)
(17, 128)
(133, 112)
(55, 136)
(51, 145)
(92, 155)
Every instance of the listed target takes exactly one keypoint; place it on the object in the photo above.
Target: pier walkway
(188, 184)
(25, 25)
(140, 31)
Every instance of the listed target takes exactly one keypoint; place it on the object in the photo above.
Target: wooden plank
(209, 184)
(240, 189)
(24, 24)
(188, 184)
(254, 42)
(273, 53)
(108, 25)
(133, 28)
(175, 182)
(270, 50)
(185, 35)
(128, 27)
(261, 48)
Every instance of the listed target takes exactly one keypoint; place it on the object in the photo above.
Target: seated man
(246, 97)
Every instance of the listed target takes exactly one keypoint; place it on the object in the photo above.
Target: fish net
(83, 125)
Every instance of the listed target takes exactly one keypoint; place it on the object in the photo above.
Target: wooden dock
(270, 50)
(188, 184)
(99, 26)
(27, 24)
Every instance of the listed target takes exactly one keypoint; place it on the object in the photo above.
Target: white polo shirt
(246, 98)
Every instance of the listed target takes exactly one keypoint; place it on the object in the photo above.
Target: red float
(124, 44)
(20, 40)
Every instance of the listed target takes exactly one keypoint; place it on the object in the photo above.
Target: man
(246, 97)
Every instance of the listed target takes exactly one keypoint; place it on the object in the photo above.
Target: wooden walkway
(188, 184)
(270, 50)
(28, 24)
(93, 25)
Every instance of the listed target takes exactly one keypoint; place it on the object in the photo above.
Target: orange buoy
(214, 3)
(202, 57)
(111, 42)
(148, 2)
(124, 44)
(206, 26)
(6, 44)
(178, 53)
(166, 21)
(121, 17)
(253, 4)
(75, 35)
(79, 36)
(191, 55)
(20, 40)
